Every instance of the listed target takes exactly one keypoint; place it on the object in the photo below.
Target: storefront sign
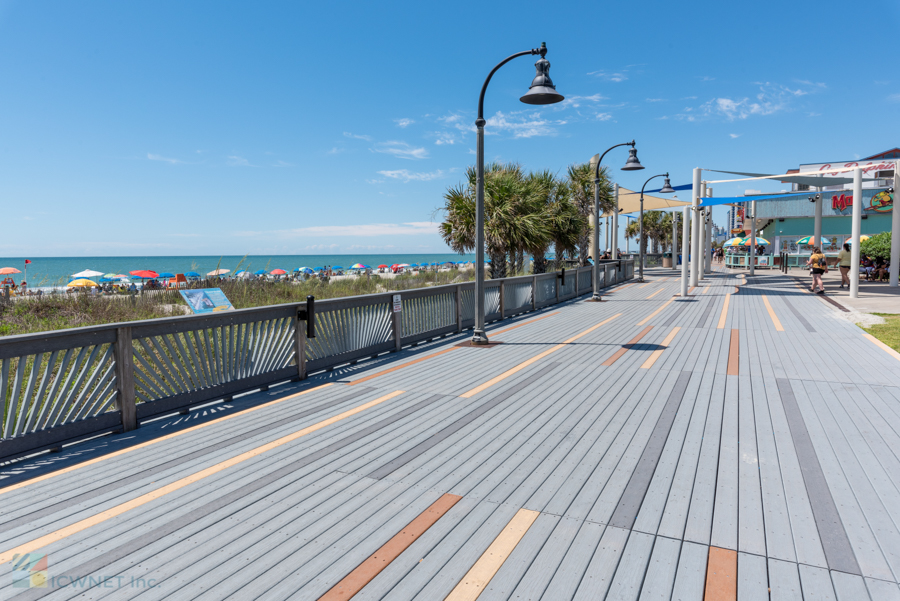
(882, 202)
(869, 168)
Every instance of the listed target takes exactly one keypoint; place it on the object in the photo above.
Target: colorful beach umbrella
(87, 273)
(733, 242)
(807, 241)
(306, 270)
(359, 266)
(759, 241)
(8, 270)
(144, 274)
(862, 238)
(82, 283)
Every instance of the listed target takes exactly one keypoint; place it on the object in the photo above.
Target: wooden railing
(60, 386)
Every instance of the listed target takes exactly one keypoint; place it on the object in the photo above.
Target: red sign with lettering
(839, 203)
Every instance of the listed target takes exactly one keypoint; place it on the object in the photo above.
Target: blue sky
(170, 128)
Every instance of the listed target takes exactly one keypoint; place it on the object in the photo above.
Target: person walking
(844, 263)
(819, 266)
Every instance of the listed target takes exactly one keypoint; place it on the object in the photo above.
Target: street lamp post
(541, 91)
(632, 164)
(666, 189)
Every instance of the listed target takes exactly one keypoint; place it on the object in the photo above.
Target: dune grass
(888, 332)
(57, 312)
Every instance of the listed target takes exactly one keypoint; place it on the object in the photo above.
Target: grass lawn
(888, 333)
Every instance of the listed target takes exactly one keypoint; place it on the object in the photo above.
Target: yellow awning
(630, 202)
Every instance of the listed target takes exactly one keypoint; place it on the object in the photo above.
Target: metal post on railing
(459, 308)
(396, 324)
(124, 358)
(533, 292)
(502, 299)
(300, 346)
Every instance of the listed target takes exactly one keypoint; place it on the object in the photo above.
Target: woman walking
(818, 266)
(844, 264)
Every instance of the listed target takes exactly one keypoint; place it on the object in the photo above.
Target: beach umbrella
(382, 266)
(261, 272)
(404, 265)
(862, 238)
(278, 272)
(733, 242)
(218, 272)
(307, 270)
(144, 274)
(337, 267)
(87, 273)
(759, 241)
(8, 270)
(242, 271)
(414, 265)
(807, 241)
(82, 283)
(166, 274)
(192, 274)
(359, 266)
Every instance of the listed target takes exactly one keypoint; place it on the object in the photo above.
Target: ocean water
(46, 272)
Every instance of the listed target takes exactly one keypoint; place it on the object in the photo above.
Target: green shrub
(878, 247)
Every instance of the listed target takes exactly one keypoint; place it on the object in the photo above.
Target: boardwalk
(741, 443)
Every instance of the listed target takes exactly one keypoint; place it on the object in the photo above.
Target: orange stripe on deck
(658, 353)
(654, 294)
(407, 364)
(721, 575)
(724, 314)
(649, 317)
(353, 582)
(772, 315)
(524, 323)
(734, 354)
(618, 354)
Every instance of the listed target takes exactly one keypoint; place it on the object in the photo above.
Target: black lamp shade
(542, 90)
(632, 164)
(667, 188)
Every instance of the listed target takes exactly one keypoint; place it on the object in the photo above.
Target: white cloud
(347, 134)
(403, 122)
(336, 150)
(413, 228)
(282, 164)
(236, 161)
(409, 176)
(401, 150)
(733, 136)
(657, 100)
(577, 101)
(611, 75)
(707, 78)
(156, 157)
(771, 99)
(444, 137)
(603, 116)
(521, 125)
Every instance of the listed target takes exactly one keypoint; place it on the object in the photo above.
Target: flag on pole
(27, 261)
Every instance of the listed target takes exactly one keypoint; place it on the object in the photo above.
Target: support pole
(478, 335)
(752, 237)
(595, 242)
(695, 229)
(707, 257)
(701, 271)
(615, 220)
(857, 224)
(685, 248)
(675, 240)
(895, 231)
(607, 233)
(817, 223)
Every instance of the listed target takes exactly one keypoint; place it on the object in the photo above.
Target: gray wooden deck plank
(849, 587)
(816, 583)
(752, 579)
(725, 524)
(752, 529)
(660, 577)
(883, 591)
(599, 574)
(784, 581)
(690, 577)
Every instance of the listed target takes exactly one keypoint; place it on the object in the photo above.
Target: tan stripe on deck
(353, 582)
(774, 317)
(883, 346)
(162, 438)
(654, 294)
(649, 317)
(734, 354)
(447, 350)
(724, 314)
(721, 575)
(476, 579)
(658, 353)
(534, 359)
(706, 289)
(618, 354)
(112, 512)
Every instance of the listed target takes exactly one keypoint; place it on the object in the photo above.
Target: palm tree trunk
(498, 264)
(540, 263)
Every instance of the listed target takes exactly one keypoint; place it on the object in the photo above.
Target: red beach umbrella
(278, 272)
(382, 266)
(144, 274)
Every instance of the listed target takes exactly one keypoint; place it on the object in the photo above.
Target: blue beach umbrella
(261, 272)
(337, 267)
(306, 270)
(166, 274)
(192, 274)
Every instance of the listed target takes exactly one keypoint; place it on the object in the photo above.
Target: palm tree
(512, 223)
(581, 185)
(657, 227)
(566, 224)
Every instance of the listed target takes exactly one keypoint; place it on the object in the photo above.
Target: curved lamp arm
(648, 181)
(542, 51)
(597, 168)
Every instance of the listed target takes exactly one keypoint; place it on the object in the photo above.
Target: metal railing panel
(546, 288)
(584, 279)
(427, 313)
(349, 329)
(517, 296)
